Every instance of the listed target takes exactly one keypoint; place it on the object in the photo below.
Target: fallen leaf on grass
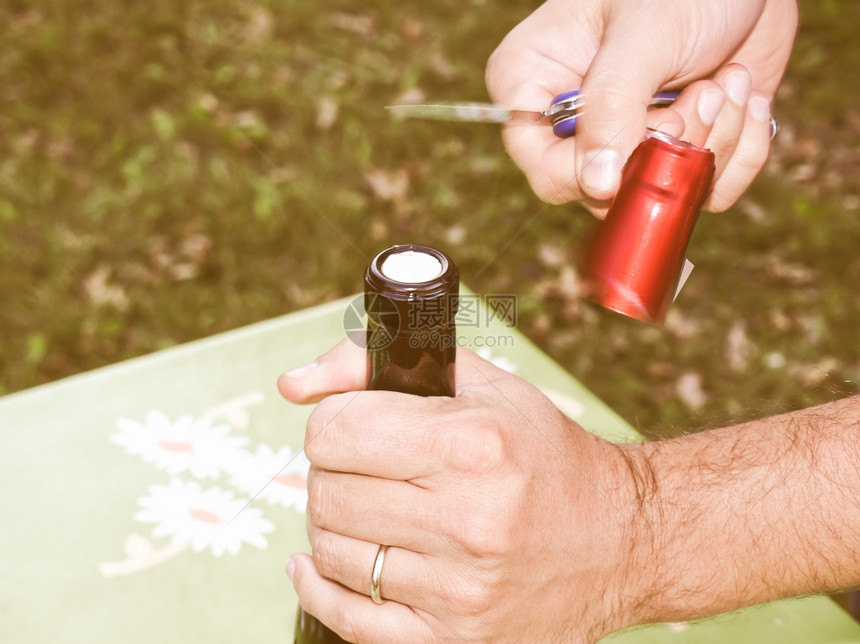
(362, 24)
(411, 96)
(456, 235)
(681, 325)
(784, 271)
(388, 185)
(101, 292)
(813, 375)
(442, 67)
(690, 390)
(551, 256)
(327, 112)
(259, 26)
(411, 28)
(739, 349)
(182, 261)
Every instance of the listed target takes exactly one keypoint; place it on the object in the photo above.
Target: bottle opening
(671, 140)
(411, 267)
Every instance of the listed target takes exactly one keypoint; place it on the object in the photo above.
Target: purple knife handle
(564, 122)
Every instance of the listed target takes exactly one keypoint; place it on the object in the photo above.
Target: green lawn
(173, 169)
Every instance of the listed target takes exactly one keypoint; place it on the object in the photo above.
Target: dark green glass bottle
(410, 296)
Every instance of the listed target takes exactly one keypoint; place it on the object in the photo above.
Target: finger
(616, 91)
(727, 129)
(402, 437)
(748, 158)
(351, 615)
(667, 120)
(343, 368)
(407, 577)
(376, 433)
(699, 105)
(768, 46)
(520, 77)
(387, 511)
(548, 162)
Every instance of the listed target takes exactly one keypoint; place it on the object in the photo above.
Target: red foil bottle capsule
(633, 264)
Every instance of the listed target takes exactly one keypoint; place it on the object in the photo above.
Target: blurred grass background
(173, 169)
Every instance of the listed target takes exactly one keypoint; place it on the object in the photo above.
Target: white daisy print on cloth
(209, 518)
(279, 477)
(185, 445)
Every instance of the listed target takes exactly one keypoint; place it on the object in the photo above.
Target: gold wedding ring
(376, 575)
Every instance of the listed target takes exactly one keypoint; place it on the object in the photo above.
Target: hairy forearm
(749, 513)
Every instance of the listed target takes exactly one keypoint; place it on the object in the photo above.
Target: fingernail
(738, 86)
(710, 103)
(602, 170)
(300, 372)
(290, 568)
(759, 108)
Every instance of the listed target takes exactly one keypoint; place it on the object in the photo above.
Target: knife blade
(562, 113)
(469, 112)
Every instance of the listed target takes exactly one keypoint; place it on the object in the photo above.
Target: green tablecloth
(124, 498)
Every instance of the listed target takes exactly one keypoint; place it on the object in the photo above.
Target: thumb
(343, 368)
(617, 89)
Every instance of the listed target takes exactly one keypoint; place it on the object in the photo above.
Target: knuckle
(718, 203)
(751, 158)
(321, 502)
(481, 535)
(474, 447)
(491, 529)
(491, 74)
(554, 189)
(607, 95)
(728, 188)
(325, 427)
(326, 553)
(473, 599)
(345, 623)
(314, 434)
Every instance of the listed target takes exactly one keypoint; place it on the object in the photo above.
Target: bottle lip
(445, 282)
(677, 145)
